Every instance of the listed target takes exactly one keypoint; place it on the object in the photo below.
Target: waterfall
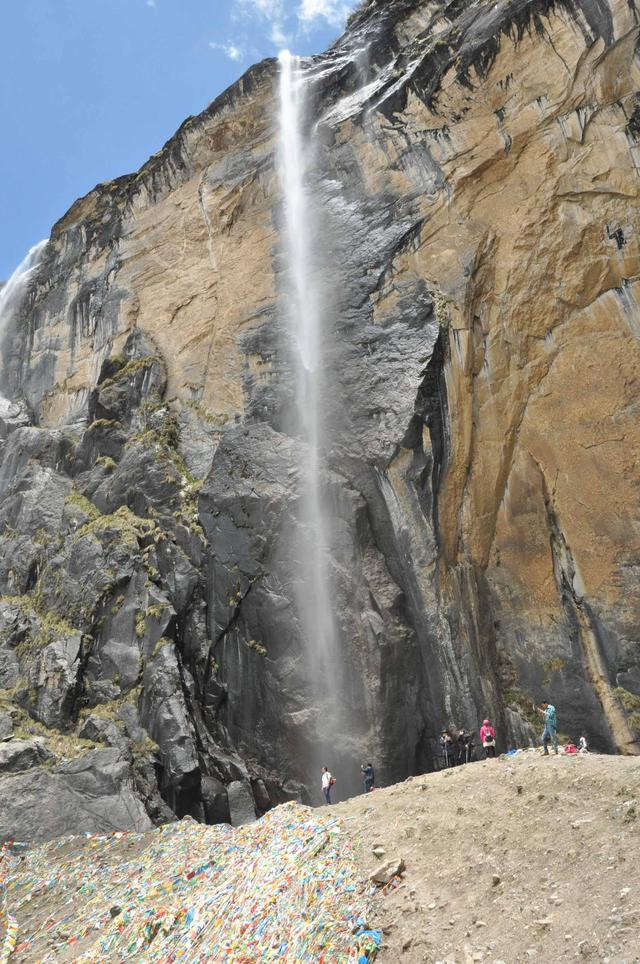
(306, 313)
(305, 308)
(12, 293)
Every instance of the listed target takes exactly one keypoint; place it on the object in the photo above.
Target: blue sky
(91, 88)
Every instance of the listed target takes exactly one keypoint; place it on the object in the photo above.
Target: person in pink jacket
(488, 738)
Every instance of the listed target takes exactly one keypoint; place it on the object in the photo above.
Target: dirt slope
(516, 859)
(528, 858)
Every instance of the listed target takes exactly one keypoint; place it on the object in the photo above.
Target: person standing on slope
(462, 747)
(548, 714)
(447, 750)
(488, 739)
(327, 782)
(368, 776)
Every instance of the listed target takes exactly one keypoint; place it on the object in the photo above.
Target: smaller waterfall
(12, 293)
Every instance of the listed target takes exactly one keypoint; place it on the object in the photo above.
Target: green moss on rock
(83, 504)
(128, 526)
(630, 701)
(129, 369)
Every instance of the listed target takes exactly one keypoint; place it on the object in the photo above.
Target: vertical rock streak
(567, 579)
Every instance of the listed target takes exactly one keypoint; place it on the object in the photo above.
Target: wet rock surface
(475, 184)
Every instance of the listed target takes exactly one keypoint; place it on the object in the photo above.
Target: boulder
(6, 724)
(216, 800)
(387, 870)
(99, 730)
(92, 794)
(13, 415)
(17, 754)
(242, 807)
(261, 795)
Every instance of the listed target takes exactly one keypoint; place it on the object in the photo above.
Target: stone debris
(387, 871)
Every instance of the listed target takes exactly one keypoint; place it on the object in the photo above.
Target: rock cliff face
(475, 184)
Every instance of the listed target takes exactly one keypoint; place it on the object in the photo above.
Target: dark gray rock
(52, 679)
(199, 438)
(260, 795)
(242, 806)
(129, 716)
(17, 755)
(99, 772)
(165, 716)
(104, 439)
(99, 730)
(216, 800)
(90, 795)
(13, 415)
(127, 380)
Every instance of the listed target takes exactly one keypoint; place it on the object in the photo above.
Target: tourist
(462, 747)
(327, 782)
(368, 776)
(488, 739)
(447, 750)
(548, 714)
(469, 747)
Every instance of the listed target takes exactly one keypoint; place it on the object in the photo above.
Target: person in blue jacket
(368, 776)
(550, 733)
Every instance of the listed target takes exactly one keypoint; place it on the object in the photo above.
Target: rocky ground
(528, 858)
(515, 859)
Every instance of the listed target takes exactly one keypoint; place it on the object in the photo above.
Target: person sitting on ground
(368, 776)
(327, 782)
(550, 733)
(582, 745)
(488, 739)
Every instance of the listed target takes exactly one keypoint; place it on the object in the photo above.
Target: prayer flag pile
(285, 888)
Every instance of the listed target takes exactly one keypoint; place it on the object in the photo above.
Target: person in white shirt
(327, 783)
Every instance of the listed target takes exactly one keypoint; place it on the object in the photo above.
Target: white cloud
(278, 36)
(271, 9)
(230, 50)
(335, 12)
(151, 3)
(273, 12)
(284, 19)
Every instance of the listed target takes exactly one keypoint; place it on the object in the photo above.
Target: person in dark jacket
(461, 747)
(368, 776)
(465, 746)
(469, 747)
(447, 749)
